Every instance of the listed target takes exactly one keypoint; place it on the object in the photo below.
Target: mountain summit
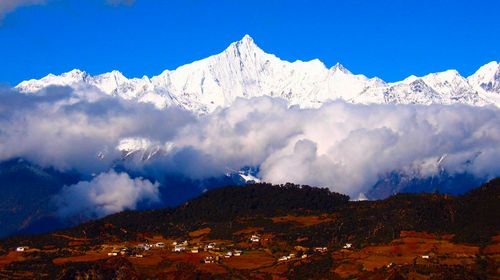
(245, 70)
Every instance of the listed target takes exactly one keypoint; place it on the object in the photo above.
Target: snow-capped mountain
(245, 70)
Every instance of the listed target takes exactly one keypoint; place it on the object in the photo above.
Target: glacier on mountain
(244, 70)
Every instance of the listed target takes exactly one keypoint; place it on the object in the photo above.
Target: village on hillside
(256, 252)
(208, 251)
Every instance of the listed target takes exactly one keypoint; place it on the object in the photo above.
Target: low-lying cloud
(343, 146)
(106, 194)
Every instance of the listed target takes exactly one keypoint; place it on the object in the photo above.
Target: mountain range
(244, 70)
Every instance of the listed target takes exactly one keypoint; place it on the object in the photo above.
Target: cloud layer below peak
(343, 146)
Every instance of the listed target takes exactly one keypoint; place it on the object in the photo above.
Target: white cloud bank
(343, 146)
(106, 194)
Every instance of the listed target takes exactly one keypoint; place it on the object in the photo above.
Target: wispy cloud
(7, 6)
(120, 2)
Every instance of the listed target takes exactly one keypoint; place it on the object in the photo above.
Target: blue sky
(388, 39)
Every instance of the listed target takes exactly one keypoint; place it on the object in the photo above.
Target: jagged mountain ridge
(245, 70)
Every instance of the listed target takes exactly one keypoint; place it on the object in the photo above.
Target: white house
(320, 249)
(284, 258)
(348, 246)
(179, 248)
(21, 249)
(255, 238)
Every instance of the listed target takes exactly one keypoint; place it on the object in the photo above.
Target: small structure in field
(347, 246)
(237, 253)
(179, 248)
(283, 258)
(255, 238)
(211, 245)
(320, 249)
(426, 257)
(209, 259)
(145, 247)
(113, 254)
(22, 248)
(286, 258)
(194, 250)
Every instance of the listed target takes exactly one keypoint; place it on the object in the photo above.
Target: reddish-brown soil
(11, 257)
(90, 257)
(200, 232)
(303, 220)
(408, 249)
(250, 260)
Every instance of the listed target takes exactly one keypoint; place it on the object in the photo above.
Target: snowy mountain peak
(246, 40)
(486, 81)
(491, 67)
(72, 77)
(340, 68)
(244, 46)
(115, 75)
(448, 78)
(489, 71)
(410, 79)
(75, 73)
(447, 74)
